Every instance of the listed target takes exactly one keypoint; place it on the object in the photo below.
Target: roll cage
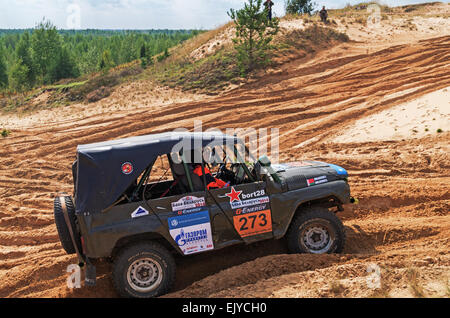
(184, 180)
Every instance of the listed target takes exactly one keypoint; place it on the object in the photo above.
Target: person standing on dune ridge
(269, 4)
(324, 15)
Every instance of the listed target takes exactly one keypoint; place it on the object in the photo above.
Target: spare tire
(61, 225)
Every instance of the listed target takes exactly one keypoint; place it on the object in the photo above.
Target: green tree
(50, 54)
(18, 76)
(63, 66)
(23, 52)
(299, 6)
(164, 56)
(3, 73)
(254, 34)
(46, 46)
(88, 61)
(106, 61)
(143, 52)
(146, 59)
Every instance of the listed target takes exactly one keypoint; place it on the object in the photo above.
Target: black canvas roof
(100, 177)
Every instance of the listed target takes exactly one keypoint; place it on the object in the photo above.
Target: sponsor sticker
(192, 232)
(139, 212)
(316, 181)
(248, 223)
(187, 203)
(127, 168)
(238, 196)
(252, 214)
(234, 195)
(189, 211)
(251, 202)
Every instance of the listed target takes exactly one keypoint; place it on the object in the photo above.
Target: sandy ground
(415, 119)
(401, 226)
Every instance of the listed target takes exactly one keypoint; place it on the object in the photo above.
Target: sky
(137, 14)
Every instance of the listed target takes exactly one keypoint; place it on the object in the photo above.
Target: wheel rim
(144, 275)
(317, 238)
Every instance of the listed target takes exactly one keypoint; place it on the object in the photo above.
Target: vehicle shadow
(193, 268)
(196, 267)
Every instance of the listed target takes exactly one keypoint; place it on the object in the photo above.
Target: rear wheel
(144, 270)
(316, 231)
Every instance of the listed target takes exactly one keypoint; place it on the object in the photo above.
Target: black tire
(312, 223)
(63, 230)
(144, 270)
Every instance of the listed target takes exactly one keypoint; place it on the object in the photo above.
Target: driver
(211, 182)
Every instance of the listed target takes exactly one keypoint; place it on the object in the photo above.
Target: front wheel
(144, 270)
(316, 231)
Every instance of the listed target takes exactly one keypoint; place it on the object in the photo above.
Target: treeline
(45, 55)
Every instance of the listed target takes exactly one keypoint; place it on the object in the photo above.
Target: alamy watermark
(73, 20)
(256, 142)
(74, 278)
(373, 280)
(374, 19)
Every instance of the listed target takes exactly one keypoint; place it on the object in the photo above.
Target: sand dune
(355, 105)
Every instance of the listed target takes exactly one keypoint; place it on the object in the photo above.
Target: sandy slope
(402, 223)
(415, 119)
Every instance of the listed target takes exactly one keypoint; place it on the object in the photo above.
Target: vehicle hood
(297, 175)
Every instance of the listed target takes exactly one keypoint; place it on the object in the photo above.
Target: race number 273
(253, 223)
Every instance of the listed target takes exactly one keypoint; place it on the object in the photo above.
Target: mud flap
(90, 271)
(90, 275)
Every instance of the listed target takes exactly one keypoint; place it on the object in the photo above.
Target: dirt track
(402, 222)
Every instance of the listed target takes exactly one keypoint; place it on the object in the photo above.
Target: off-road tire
(316, 217)
(61, 225)
(131, 254)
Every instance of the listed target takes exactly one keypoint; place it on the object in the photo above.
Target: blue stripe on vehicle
(340, 171)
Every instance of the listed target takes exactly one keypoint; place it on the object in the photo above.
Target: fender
(283, 216)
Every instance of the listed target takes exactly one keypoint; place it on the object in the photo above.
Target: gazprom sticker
(192, 232)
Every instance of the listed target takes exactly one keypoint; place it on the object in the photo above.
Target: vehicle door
(186, 218)
(247, 207)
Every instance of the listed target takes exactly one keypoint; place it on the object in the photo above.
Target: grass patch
(87, 89)
(207, 75)
(312, 38)
(5, 133)
(65, 87)
(100, 86)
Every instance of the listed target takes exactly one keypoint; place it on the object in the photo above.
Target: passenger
(211, 182)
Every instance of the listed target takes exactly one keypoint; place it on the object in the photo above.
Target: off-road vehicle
(117, 213)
